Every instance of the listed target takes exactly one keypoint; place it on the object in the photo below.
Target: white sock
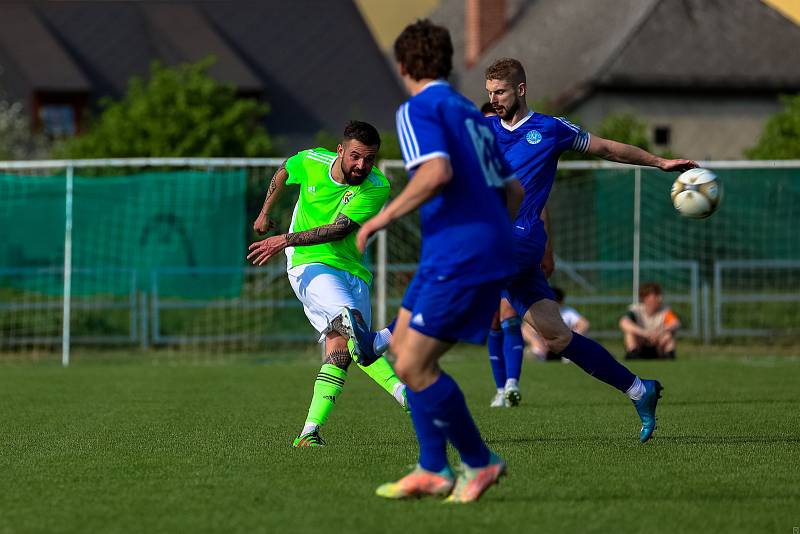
(636, 391)
(500, 391)
(381, 342)
(399, 389)
(309, 427)
(511, 383)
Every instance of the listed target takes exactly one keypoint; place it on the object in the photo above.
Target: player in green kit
(339, 191)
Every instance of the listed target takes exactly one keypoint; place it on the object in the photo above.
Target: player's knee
(406, 371)
(559, 340)
(411, 371)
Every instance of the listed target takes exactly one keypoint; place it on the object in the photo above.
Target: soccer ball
(697, 193)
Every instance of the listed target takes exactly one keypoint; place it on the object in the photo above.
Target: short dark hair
(506, 69)
(559, 294)
(425, 50)
(362, 132)
(487, 108)
(649, 288)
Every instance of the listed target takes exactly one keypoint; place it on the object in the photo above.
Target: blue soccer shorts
(451, 310)
(529, 285)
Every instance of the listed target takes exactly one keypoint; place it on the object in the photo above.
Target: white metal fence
(596, 285)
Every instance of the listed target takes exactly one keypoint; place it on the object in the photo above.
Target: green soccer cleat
(309, 439)
(419, 483)
(472, 483)
(646, 408)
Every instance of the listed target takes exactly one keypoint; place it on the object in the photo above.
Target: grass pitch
(144, 447)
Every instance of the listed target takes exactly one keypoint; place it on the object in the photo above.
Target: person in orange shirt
(649, 327)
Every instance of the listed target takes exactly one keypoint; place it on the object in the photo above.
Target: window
(58, 120)
(661, 135)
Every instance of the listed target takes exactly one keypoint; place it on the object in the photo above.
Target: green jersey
(321, 200)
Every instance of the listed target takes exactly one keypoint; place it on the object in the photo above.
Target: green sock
(327, 386)
(382, 373)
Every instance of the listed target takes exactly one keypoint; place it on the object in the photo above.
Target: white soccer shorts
(325, 290)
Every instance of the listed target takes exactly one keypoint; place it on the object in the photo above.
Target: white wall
(702, 127)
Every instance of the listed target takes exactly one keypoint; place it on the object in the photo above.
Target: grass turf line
(142, 448)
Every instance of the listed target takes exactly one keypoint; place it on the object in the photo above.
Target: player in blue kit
(532, 144)
(461, 184)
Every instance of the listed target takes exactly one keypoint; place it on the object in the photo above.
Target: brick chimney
(485, 22)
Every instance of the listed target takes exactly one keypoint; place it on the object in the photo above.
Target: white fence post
(67, 308)
(637, 230)
(381, 281)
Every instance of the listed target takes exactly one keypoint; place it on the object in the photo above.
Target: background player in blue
(458, 178)
(531, 144)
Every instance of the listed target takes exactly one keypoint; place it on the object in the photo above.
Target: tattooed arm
(262, 251)
(263, 222)
(338, 229)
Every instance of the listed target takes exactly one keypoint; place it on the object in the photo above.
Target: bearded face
(356, 160)
(504, 97)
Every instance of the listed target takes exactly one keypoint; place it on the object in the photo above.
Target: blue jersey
(532, 148)
(466, 231)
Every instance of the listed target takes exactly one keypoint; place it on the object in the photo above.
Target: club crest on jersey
(347, 196)
(533, 137)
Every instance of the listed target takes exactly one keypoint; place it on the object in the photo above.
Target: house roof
(571, 47)
(315, 63)
(184, 34)
(318, 60)
(40, 61)
(732, 44)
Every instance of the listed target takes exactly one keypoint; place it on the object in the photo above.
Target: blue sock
(496, 359)
(432, 441)
(512, 347)
(590, 356)
(442, 406)
(390, 326)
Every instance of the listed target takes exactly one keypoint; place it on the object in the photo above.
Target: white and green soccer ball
(697, 193)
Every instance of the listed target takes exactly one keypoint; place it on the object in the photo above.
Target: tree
(178, 112)
(623, 127)
(17, 140)
(780, 138)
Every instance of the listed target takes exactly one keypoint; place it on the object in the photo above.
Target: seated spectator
(649, 327)
(574, 320)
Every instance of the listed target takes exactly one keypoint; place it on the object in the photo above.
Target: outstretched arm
(622, 153)
(262, 251)
(263, 222)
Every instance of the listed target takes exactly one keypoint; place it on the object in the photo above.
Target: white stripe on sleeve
(581, 141)
(401, 133)
(411, 134)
